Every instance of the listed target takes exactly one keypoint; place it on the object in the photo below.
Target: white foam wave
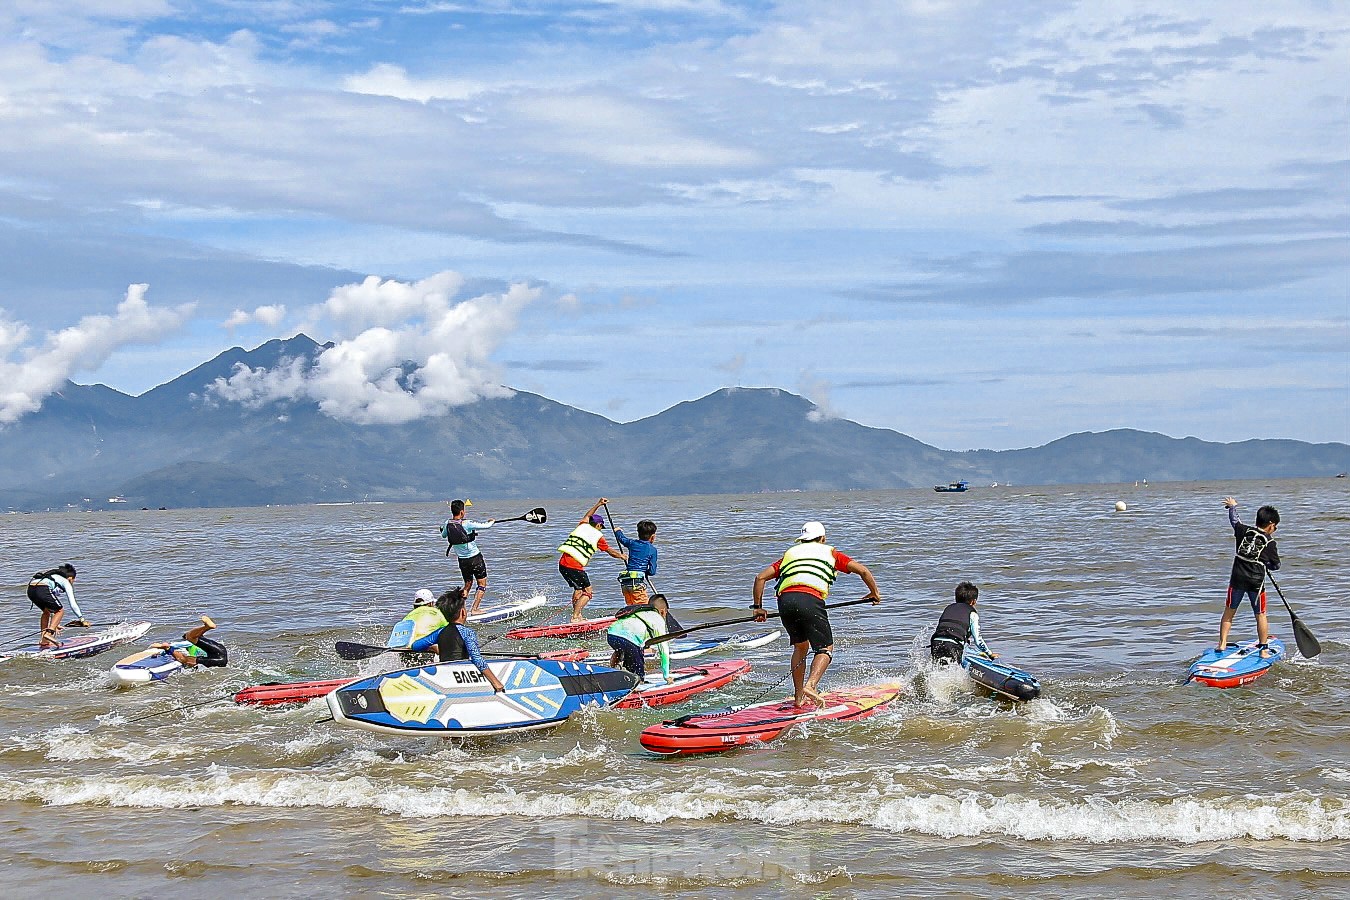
(1099, 820)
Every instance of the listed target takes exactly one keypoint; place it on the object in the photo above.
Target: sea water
(1117, 782)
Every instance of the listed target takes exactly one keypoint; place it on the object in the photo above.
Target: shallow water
(1119, 782)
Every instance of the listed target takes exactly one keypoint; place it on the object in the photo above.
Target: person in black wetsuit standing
(1255, 555)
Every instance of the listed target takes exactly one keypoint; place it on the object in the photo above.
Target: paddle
(1308, 645)
(536, 516)
(741, 621)
(350, 650)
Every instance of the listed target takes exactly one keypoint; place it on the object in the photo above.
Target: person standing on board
(641, 554)
(48, 591)
(461, 534)
(958, 625)
(577, 551)
(804, 575)
(1255, 554)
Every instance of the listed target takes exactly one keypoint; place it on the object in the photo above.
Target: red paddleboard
(690, 680)
(562, 629)
(294, 692)
(731, 728)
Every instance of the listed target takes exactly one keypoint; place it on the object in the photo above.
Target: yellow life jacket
(808, 564)
(425, 619)
(582, 543)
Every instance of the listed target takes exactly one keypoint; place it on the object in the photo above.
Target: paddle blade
(1303, 636)
(350, 650)
(536, 516)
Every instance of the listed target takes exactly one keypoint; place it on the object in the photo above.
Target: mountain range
(89, 446)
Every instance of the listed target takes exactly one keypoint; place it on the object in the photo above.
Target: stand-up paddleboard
(733, 727)
(1001, 678)
(402, 634)
(688, 681)
(84, 644)
(155, 664)
(278, 693)
(455, 700)
(1236, 665)
(684, 648)
(500, 612)
(561, 629)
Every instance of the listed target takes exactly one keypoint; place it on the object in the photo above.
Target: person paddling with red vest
(577, 551)
(805, 574)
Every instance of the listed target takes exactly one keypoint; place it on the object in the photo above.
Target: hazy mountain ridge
(175, 445)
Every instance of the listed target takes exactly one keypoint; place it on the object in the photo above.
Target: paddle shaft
(741, 621)
(1308, 645)
(535, 516)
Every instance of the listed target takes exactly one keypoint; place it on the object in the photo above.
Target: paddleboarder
(457, 642)
(195, 649)
(641, 554)
(461, 533)
(49, 591)
(959, 625)
(577, 551)
(421, 623)
(1255, 555)
(630, 632)
(804, 575)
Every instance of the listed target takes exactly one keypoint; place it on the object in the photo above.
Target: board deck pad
(84, 644)
(733, 727)
(1235, 666)
(454, 699)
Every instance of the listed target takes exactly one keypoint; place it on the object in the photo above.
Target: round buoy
(1120, 506)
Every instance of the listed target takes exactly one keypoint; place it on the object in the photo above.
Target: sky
(982, 224)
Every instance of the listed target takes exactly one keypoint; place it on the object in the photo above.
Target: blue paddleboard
(1236, 665)
(1004, 680)
(144, 667)
(455, 700)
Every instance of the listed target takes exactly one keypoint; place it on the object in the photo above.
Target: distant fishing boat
(955, 487)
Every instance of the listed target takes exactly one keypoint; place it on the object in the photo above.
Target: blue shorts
(630, 654)
(1256, 598)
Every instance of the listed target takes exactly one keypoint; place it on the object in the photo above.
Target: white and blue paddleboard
(684, 648)
(1236, 665)
(83, 645)
(1004, 680)
(455, 700)
(500, 612)
(155, 664)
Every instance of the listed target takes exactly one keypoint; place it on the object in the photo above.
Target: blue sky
(983, 224)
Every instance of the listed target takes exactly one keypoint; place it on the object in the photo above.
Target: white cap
(423, 597)
(811, 531)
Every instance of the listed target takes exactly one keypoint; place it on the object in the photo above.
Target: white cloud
(407, 351)
(29, 374)
(388, 80)
(264, 315)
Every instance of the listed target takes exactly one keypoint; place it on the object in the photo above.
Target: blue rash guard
(641, 558)
(467, 634)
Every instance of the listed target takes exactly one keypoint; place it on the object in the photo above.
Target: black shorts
(944, 650)
(806, 619)
(215, 652)
(44, 598)
(576, 579)
(473, 567)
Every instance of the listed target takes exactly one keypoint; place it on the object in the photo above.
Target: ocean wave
(1098, 820)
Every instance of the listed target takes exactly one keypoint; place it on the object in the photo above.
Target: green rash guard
(641, 627)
